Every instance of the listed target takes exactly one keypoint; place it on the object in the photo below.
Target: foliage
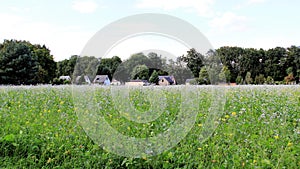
(203, 76)
(270, 80)
(194, 61)
(239, 80)
(108, 66)
(86, 66)
(24, 63)
(66, 67)
(154, 77)
(248, 78)
(225, 75)
(260, 79)
(140, 72)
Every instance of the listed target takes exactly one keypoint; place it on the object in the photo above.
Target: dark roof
(168, 78)
(100, 78)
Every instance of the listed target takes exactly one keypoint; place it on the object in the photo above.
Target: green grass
(259, 128)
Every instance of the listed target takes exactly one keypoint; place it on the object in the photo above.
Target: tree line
(24, 63)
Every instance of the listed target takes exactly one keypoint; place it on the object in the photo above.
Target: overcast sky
(66, 26)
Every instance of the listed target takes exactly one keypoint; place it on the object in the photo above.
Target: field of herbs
(259, 127)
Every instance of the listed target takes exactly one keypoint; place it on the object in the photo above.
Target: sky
(66, 26)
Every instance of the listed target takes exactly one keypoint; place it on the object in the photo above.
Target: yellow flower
(200, 125)
(289, 144)
(49, 160)
(233, 113)
(227, 116)
(276, 137)
(254, 161)
(58, 110)
(199, 148)
(62, 102)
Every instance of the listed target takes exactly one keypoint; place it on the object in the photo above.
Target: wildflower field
(258, 128)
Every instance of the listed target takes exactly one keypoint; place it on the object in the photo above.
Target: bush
(270, 80)
(239, 80)
(260, 79)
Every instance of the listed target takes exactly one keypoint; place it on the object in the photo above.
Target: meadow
(259, 127)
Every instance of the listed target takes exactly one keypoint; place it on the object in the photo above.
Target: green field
(259, 128)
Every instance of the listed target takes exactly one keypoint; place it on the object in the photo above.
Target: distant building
(65, 78)
(190, 82)
(115, 82)
(166, 80)
(102, 80)
(82, 80)
(137, 83)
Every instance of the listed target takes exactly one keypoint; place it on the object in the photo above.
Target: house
(82, 80)
(137, 83)
(65, 78)
(190, 82)
(115, 82)
(102, 80)
(166, 80)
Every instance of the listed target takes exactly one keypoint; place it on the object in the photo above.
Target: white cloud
(249, 3)
(201, 7)
(62, 41)
(142, 43)
(256, 1)
(228, 21)
(83, 6)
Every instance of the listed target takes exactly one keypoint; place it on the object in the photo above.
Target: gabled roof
(101, 78)
(65, 77)
(168, 78)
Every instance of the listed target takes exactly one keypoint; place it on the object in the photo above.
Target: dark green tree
(194, 61)
(248, 78)
(140, 72)
(154, 77)
(204, 76)
(24, 63)
(225, 75)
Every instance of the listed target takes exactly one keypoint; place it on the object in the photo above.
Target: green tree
(260, 79)
(248, 78)
(154, 77)
(204, 76)
(46, 64)
(140, 72)
(108, 66)
(194, 61)
(179, 70)
(66, 67)
(231, 58)
(275, 63)
(18, 63)
(225, 75)
(86, 66)
(239, 80)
